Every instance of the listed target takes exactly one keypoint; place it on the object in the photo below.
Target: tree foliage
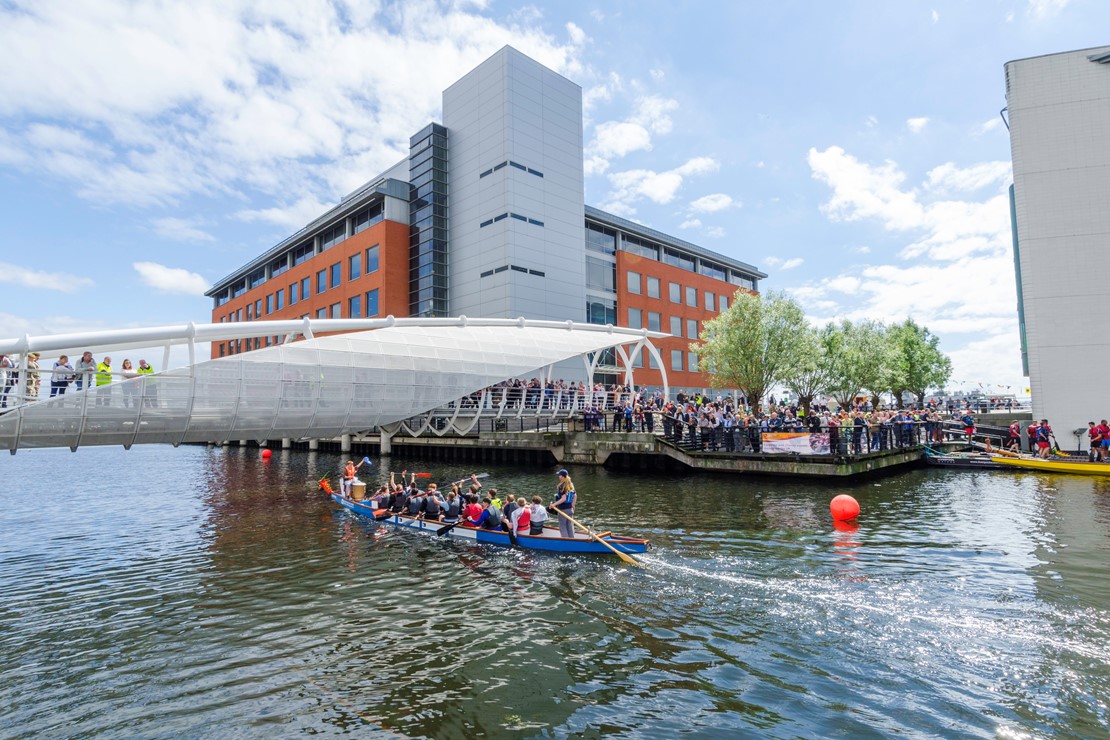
(754, 342)
(857, 356)
(810, 372)
(915, 364)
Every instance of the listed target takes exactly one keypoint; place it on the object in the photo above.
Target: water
(203, 593)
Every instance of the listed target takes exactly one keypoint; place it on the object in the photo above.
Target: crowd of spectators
(21, 378)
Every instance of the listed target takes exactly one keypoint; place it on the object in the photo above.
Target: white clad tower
(517, 236)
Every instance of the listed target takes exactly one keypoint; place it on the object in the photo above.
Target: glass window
(676, 326)
(691, 296)
(691, 328)
(366, 218)
(635, 319)
(306, 288)
(336, 311)
(678, 259)
(601, 275)
(294, 293)
(372, 303)
(354, 307)
(742, 280)
(336, 274)
(250, 311)
(676, 359)
(676, 293)
(354, 267)
(303, 252)
(321, 313)
(634, 283)
(372, 259)
(279, 299)
(722, 303)
(641, 247)
(270, 303)
(710, 301)
(321, 281)
(651, 360)
(653, 287)
(638, 359)
(712, 270)
(601, 311)
(258, 309)
(280, 265)
(655, 321)
(600, 239)
(333, 236)
(692, 362)
(257, 277)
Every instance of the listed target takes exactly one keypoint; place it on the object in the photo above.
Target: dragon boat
(1053, 465)
(550, 540)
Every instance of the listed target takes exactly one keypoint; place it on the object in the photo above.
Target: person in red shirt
(1094, 431)
(1104, 430)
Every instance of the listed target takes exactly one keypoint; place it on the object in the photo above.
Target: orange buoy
(266, 454)
(844, 508)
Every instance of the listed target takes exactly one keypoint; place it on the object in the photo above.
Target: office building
(486, 217)
(1059, 116)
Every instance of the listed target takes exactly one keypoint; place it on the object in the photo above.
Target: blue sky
(852, 150)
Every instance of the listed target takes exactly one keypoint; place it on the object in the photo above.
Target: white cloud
(791, 263)
(180, 229)
(615, 139)
(163, 100)
(713, 203)
(292, 216)
(715, 232)
(660, 187)
(987, 126)
(957, 274)
(861, 249)
(59, 281)
(1044, 9)
(171, 279)
(950, 178)
(936, 16)
(916, 125)
(690, 223)
(871, 122)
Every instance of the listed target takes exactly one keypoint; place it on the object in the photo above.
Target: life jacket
(524, 521)
(349, 472)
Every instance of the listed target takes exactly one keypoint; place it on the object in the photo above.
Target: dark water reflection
(201, 592)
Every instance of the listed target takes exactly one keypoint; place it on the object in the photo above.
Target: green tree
(810, 371)
(857, 355)
(915, 364)
(753, 342)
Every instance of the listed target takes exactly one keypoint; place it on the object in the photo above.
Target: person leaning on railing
(61, 376)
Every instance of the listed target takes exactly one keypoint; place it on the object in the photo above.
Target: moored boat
(1053, 465)
(963, 460)
(550, 540)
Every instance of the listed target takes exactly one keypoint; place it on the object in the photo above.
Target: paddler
(565, 502)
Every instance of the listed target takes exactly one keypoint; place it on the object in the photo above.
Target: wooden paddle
(622, 555)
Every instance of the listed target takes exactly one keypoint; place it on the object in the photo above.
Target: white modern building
(1059, 119)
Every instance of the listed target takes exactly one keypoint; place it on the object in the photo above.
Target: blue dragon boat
(550, 540)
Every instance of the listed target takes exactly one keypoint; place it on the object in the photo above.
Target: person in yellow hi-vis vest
(104, 378)
(150, 393)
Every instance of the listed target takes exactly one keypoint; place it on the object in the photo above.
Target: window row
(712, 301)
(301, 290)
(679, 361)
(655, 323)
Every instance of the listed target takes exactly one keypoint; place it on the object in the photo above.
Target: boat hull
(963, 461)
(549, 542)
(1054, 466)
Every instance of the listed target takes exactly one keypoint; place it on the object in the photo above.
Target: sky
(854, 151)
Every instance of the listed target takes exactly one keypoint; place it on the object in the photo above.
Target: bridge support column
(286, 443)
(242, 443)
(345, 443)
(313, 444)
(386, 443)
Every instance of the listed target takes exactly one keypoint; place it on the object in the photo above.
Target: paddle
(622, 555)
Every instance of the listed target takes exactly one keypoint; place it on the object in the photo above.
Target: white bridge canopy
(316, 388)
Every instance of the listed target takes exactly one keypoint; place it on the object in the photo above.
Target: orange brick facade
(629, 264)
(390, 279)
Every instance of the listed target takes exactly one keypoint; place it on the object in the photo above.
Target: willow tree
(857, 355)
(916, 362)
(809, 372)
(753, 342)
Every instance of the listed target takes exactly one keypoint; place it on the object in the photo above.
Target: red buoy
(844, 508)
(266, 454)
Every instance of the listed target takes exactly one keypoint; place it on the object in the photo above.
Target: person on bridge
(85, 368)
(565, 503)
(8, 379)
(104, 378)
(61, 377)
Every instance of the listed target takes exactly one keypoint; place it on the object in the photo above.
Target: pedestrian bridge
(378, 373)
